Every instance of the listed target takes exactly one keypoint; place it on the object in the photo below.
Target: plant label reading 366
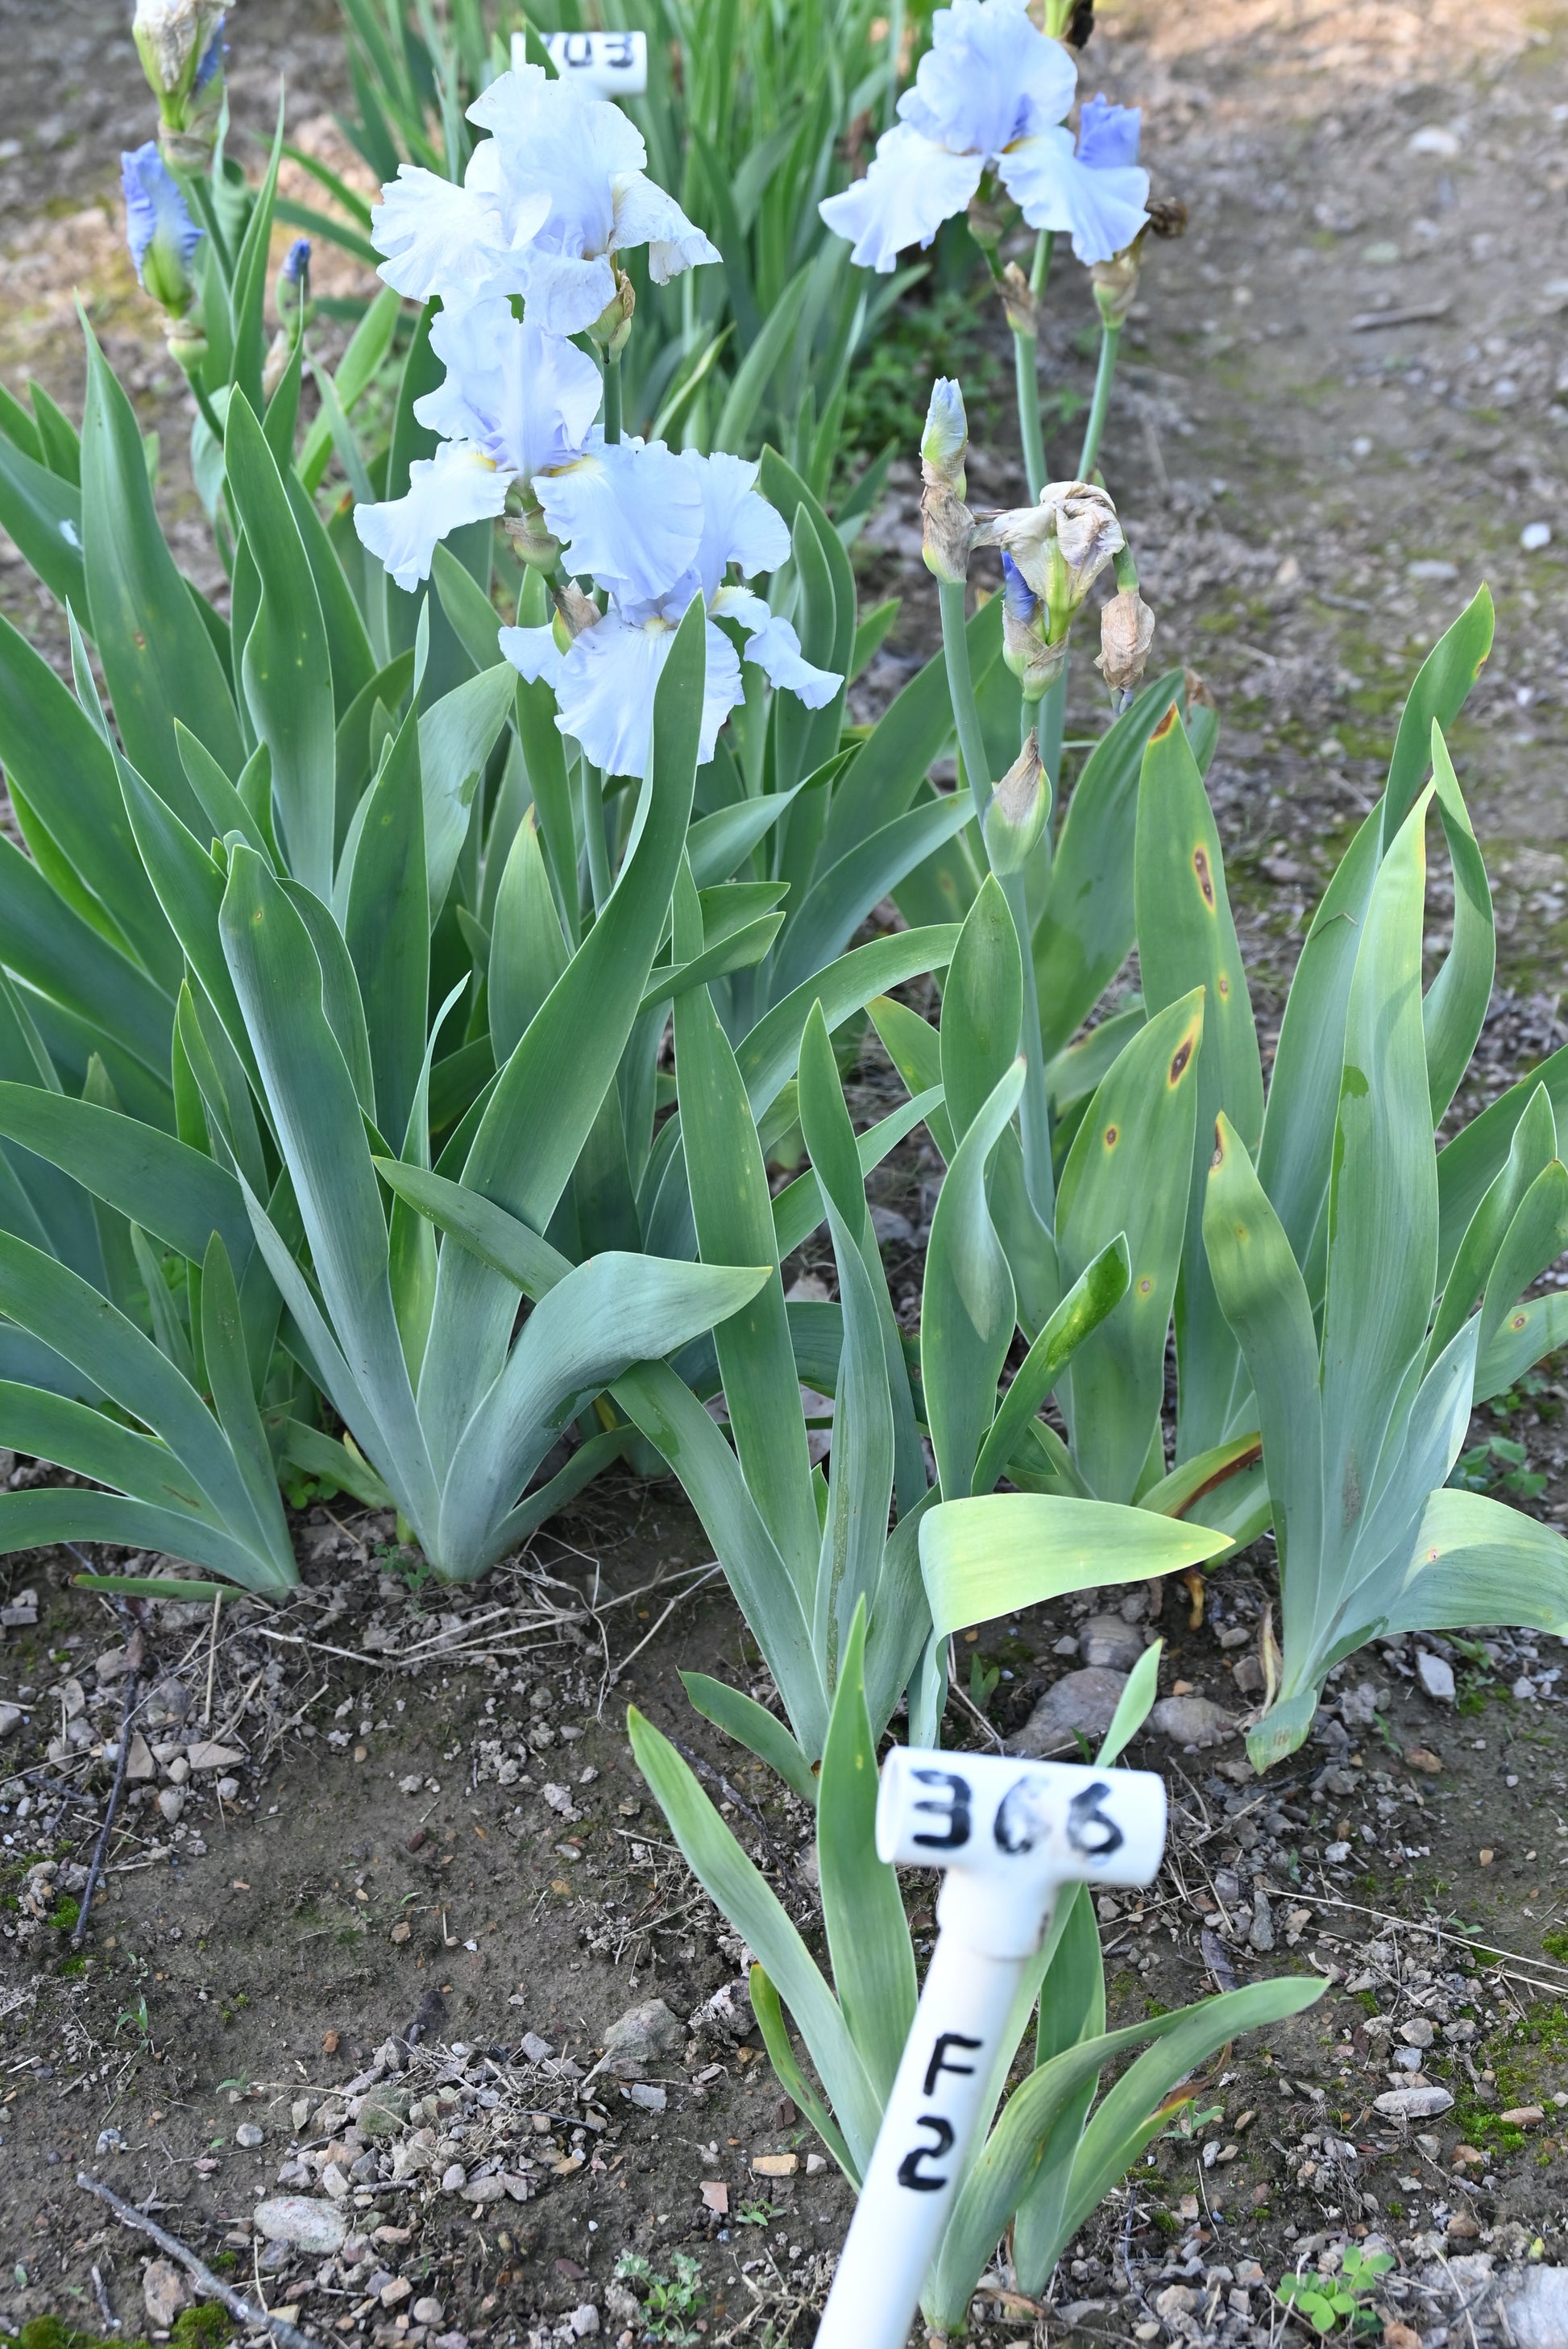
(1007, 1835)
(601, 65)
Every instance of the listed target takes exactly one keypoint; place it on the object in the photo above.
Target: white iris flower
(516, 402)
(708, 514)
(991, 93)
(547, 205)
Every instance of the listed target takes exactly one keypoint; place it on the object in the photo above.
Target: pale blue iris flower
(709, 515)
(159, 230)
(993, 93)
(547, 205)
(516, 402)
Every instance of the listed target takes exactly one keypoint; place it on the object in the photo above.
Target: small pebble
(248, 2134)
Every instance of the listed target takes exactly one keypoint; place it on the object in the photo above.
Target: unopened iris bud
(1019, 301)
(947, 527)
(532, 540)
(614, 324)
(945, 443)
(1020, 807)
(159, 229)
(1116, 281)
(292, 293)
(1126, 633)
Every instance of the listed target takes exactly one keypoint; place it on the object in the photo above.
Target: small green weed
(670, 2303)
(1499, 1464)
(1330, 2303)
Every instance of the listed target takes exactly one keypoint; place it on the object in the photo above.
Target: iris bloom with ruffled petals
(515, 403)
(547, 205)
(992, 94)
(605, 680)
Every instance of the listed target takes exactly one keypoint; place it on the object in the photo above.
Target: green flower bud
(1019, 810)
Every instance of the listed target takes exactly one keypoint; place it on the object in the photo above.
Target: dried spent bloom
(180, 44)
(1126, 633)
(175, 40)
(1060, 545)
(1018, 810)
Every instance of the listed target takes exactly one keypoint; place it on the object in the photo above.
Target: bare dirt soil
(396, 1947)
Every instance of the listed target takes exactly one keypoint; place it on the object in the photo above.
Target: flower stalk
(1034, 1107)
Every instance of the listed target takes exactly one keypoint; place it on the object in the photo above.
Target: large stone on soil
(300, 2220)
(1080, 1704)
(164, 2292)
(1192, 1721)
(645, 2035)
(1436, 1675)
(1111, 1641)
(1412, 2104)
(1536, 2306)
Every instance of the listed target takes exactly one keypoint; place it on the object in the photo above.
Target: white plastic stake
(1007, 1835)
(601, 65)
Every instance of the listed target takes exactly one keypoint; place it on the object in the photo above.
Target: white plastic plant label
(601, 65)
(1007, 1835)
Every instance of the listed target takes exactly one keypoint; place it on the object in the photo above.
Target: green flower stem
(1027, 376)
(593, 833)
(1052, 722)
(1034, 1109)
(895, 16)
(1109, 342)
(613, 398)
(1026, 382)
(209, 413)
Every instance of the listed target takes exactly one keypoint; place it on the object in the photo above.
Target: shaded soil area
(396, 1946)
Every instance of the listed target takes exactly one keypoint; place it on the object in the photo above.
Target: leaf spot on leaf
(1165, 725)
(1110, 1137)
(1205, 879)
(1180, 1059)
(1145, 1286)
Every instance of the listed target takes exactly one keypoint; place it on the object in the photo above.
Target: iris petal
(1102, 209)
(912, 187)
(456, 485)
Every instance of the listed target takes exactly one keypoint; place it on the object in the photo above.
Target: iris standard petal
(526, 397)
(988, 77)
(630, 514)
(546, 137)
(456, 485)
(439, 238)
(564, 292)
(1108, 135)
(1102, 209)
(912, 187)
(738, 526)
